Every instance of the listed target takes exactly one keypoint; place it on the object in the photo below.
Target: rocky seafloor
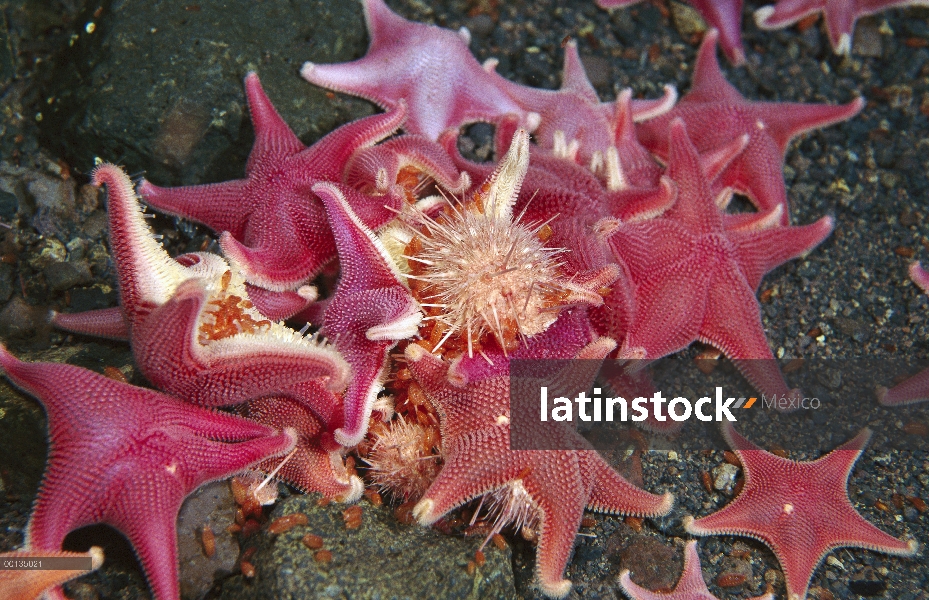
(156, 86)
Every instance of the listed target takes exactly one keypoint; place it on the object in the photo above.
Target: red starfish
(688, 278)
(716, 114)
(369, 313)
(193, 334)
(473, 401)
(429, 67)
(840, 16)
(272, 226)
(30, 584)
(690, 586)
(128, 456)
(316, 464)
(916, 388)
(801, 510)
(724, 15)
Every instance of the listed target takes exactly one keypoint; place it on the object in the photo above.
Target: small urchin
(476, 269)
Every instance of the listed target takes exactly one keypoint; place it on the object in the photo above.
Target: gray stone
(381, 559)
(158, 87)
(724, 478)
(210, 506)
(61, 276)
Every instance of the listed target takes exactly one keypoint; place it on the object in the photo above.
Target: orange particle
(807, 22)
(881, 505)
(707, 482)
(545, 233)
(479, 558)
(778, 450)
(404, 513)
(373, 497)
(115, 374)
(322, 556)
(499, 541)
(287, 522)
(312, 541)
(918, 503)
(916, 428)
(766, 295)
(471, 567)
(250, 527)
(209, 541)
(730, 579)
(352, 517)
(915, 42)
(794, 365)
(732, 458)
(248, 569)
(323, 502)
(524, 473)
(588, 522)
(635, 523)
(898, 500)
(234, 528)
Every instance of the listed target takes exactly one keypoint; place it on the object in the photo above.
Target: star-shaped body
(689, 278)
(716, 114)
(272, 226)
(31, 584)
(429, 67)
(840, 16)
(371, 310)
(193, 331)
(724, 15)
(801, 510)
(691, 585)
(916, 388)
(473, 401)
(127, 457)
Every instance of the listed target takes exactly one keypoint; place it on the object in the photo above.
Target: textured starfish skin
(31, 584)
(165, 302)
(272, 227)
(716, 113)
(127, 457)
(916, 388)
(472, 399)
(107, 323)
(688, 278)
(429, 67)
(724, 15)
(316, 464)
(840, 15)
(369, 313)
(690, 586)
(801, 510)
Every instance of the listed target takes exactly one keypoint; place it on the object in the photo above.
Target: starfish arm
(726, 17)
(758, 252)
(328, 157)
(733, 325)
(367, 167)
(30, 584)
(715, 161)
(274, 139)
(562, 508)
(632, 206)
(643, 110)
(786, 12)
(107, 323)
(796, 118)
(913, 390)
(574, 77)
(278, 306)
(477, 462)
(613, 494)
(709, 84)
(920, 277)
(274, 266)
(229, 370)
(216, 205)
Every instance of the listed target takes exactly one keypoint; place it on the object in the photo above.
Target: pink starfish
(271, 225)
(429, 67)
(369, 313)
(690, 586)
(688, 278)
(724, 15)
(840, 16)
(316, 463)
(553, 486)
(193, 333)
(716, 114)
(801, 510)
(916, 388)
(127, 457)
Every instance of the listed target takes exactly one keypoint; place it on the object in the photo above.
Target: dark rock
(481, 25)
(54, 201)
(381, 559)
(9, 205)
(598, 70)
(652, 563)
(867, 583)
(477, 143)
(95, 225)
(210, 506)
(91, 298)
(20, 320)
(853, 328)
(158, 85)
(61, 276)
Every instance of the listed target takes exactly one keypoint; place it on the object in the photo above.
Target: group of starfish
(606, 238)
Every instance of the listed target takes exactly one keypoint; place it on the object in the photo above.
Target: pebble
(724, 477)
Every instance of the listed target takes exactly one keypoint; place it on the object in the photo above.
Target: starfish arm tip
(348, 439)
(422, 512)
(762, 15)
(559, 588)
